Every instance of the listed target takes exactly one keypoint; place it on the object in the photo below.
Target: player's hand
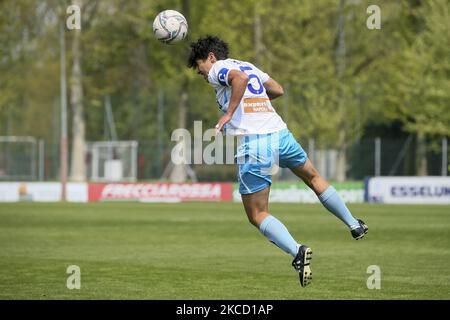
(222, 121)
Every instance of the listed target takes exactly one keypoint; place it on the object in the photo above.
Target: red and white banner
(164, 192)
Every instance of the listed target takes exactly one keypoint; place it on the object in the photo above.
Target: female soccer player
(244, 95)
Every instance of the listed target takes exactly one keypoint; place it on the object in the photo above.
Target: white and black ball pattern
(170, 26)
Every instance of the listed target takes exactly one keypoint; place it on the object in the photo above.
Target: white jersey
(255, 114)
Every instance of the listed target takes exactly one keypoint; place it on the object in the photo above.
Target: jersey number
(250, 77)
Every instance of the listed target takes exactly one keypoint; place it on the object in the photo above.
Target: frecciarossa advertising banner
(160, 192)
(408, 190)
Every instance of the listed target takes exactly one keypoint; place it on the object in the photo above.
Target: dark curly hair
(203, 46)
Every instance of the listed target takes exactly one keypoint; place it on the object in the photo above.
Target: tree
(417, 87)
(78, 166)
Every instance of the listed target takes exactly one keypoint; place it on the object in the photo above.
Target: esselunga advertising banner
(408, 190)
(160, 192)
(41, 192)
(298, 192)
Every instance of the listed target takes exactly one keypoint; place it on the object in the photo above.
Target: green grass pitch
(210, 251)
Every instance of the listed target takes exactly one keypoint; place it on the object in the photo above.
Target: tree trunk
(421, 155)
(78, 166)
(179, 172)
(340, 72)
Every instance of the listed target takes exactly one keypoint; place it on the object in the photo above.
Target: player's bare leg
(257, 208)
(309, 174)
(330, 198)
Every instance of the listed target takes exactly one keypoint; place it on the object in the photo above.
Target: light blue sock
(334, 203)
(277, 233)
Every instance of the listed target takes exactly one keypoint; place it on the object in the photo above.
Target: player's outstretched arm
(273, 89)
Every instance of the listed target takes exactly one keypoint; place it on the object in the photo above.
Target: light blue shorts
(259, 155)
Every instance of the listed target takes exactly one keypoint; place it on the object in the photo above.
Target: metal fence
(21, 158)
(27, 158)
(398, 157)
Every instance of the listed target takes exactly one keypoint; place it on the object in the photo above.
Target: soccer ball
(170, 26)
